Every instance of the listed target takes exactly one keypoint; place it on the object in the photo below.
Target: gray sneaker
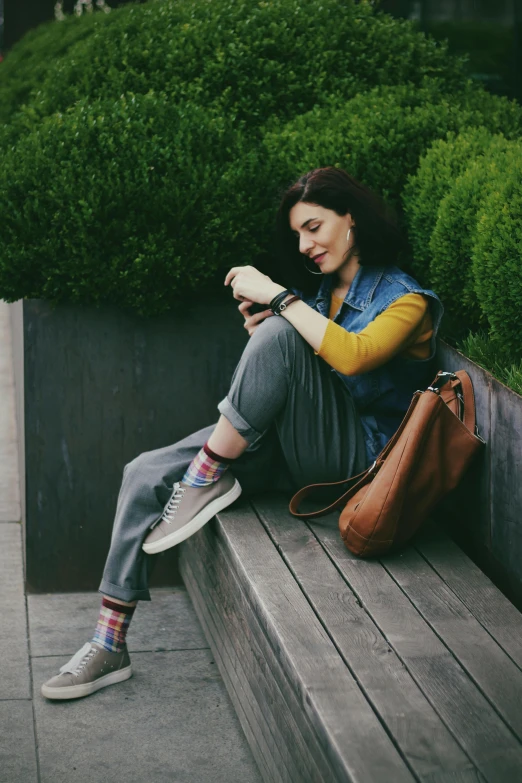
(188, 509)
(90, 669)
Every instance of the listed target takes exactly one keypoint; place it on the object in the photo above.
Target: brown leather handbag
(425, 459)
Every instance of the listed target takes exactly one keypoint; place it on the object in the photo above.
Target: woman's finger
(253, 321)
(257, 318)
(231, 274)
(244, 307)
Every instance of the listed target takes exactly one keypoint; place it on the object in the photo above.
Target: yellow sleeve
(391, 332)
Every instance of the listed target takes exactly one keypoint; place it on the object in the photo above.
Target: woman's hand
(248, 283)
(252, 321)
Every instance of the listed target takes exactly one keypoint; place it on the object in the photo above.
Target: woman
(319, 390)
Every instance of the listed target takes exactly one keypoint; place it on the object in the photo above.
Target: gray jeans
(301, 425)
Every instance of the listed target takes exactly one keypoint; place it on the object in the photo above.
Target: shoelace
(172, 506)
(79, 660)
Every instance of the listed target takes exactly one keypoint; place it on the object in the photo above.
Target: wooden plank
(250, 728)
(292, 723)
(491, 608)
(477, 728)
(274, 724)
(236, 676)
(275, 752)
(499, 679)
(264, 759)
(506, 487)
(300, 730)
(428, 746)
(352, 736)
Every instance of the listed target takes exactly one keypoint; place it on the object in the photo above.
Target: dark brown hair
(377, 237)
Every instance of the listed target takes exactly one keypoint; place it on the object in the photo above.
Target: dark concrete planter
(484, 514)
(95, 388)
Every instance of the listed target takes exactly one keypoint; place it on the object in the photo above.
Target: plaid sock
(113, 624)
(205, 468)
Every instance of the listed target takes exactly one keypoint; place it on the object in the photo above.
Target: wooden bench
(407, 668)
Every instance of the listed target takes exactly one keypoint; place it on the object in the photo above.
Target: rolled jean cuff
(238, 422)
(123, 593)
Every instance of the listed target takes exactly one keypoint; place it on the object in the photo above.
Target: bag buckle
(373, 468)
(441, 379)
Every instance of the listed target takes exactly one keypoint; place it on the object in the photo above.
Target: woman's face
(322, 235)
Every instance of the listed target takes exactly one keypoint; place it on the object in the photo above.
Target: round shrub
(445, 160)
(455, 229)
(496, 257)
(379, 136)
(133, 202)
(139, 174)
(274, 58)
(27, 63)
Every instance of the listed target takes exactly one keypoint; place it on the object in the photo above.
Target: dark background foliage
(145, 153)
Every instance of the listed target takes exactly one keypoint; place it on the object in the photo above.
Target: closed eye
(313, 230)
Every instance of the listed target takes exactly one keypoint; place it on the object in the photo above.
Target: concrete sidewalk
(172, 721)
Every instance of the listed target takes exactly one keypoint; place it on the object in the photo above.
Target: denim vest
(382, 396)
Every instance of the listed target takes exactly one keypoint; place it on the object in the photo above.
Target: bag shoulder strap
(458, 383)
(359, 480)
(468, 394)
(459, 378)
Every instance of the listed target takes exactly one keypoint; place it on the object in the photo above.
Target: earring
(348, 234)
(309, 270)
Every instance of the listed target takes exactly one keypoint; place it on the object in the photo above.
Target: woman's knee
(271, 327)
(137, 469)
(278, 329)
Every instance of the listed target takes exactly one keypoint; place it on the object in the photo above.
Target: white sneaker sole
(195, 524)
(77, 691)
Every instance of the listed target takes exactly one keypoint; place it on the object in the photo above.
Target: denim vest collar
(359, 294)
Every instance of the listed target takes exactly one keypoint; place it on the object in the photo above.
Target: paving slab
(17, 743)
(172, 721)
(60, 624)
(14, 654)
(9, 478)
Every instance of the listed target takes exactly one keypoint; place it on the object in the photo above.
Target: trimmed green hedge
(275, 58)
(91, 196)
(464, 208)
(151, 157)
(497, 255)
(445, 160)
(133, 202)
(188, 85)
(27, 63)
(455, 232)
(380, 135)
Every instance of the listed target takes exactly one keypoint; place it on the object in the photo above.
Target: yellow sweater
(405, 327)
